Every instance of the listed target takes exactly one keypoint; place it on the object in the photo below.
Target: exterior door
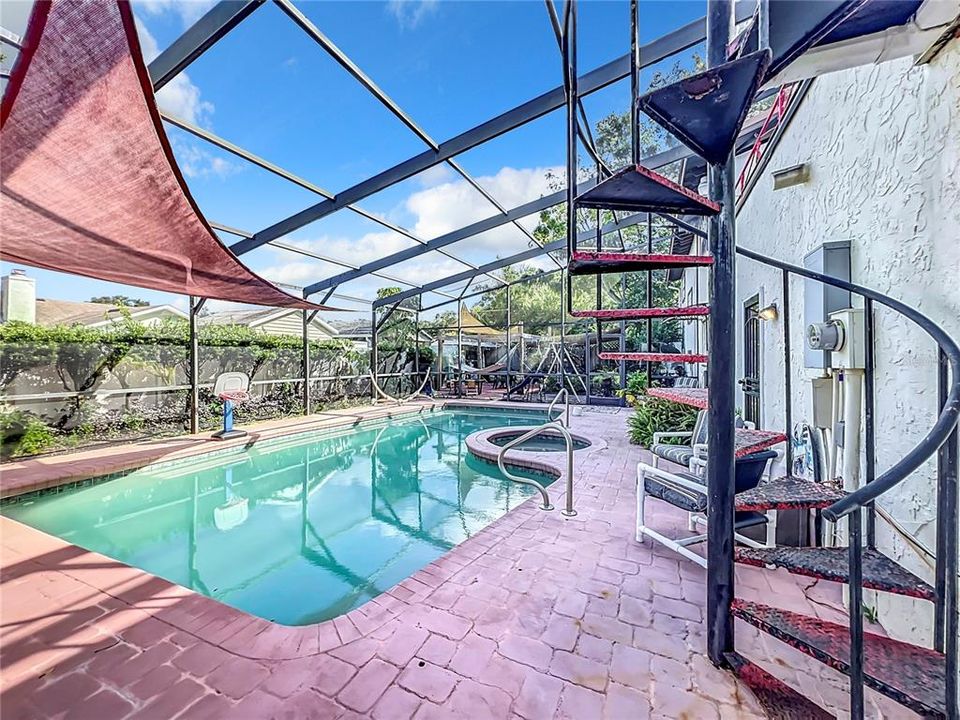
(750, 382)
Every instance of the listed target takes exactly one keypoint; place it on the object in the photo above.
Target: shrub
(23, 433)
(636, 386)
(37, 438)
(83, 358)
(655, 415)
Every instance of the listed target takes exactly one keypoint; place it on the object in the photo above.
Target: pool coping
(252, 637)
(479, 444)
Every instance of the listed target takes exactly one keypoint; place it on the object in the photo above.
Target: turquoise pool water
(540, 443)
(300, 530)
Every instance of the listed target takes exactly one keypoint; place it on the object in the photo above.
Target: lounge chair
(687, 490)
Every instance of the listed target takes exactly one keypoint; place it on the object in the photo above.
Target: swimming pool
(300, 529)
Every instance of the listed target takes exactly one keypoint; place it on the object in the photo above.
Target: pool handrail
(533, 432)
(566, 404)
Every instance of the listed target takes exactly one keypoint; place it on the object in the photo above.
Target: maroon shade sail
(89, 182)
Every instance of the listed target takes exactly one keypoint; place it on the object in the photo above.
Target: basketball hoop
(235, 396)
(232, 388)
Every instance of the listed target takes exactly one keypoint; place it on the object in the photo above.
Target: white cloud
(180, 96)
(410, 13)
(189, 11)
(195, 162)
(436, 210)
(452, 205)
(435, 175)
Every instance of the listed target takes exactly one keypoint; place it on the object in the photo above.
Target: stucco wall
(883, 146)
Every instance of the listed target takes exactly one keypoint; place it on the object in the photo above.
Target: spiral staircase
(705, 112)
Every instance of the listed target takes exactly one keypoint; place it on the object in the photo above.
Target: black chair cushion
(679, 454)
(681, 497)
(748, 471)
(748, 518)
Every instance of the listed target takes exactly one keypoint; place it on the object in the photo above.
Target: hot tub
(544, 442)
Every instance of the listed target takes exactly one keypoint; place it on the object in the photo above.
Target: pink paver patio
(536, 616)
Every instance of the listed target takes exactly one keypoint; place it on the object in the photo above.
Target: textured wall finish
(883, 147)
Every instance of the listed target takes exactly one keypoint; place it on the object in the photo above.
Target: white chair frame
(698, 465)
(680, 484)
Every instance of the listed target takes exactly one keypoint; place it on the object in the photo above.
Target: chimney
(18, 297)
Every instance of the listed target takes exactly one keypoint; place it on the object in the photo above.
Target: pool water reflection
(301, 530)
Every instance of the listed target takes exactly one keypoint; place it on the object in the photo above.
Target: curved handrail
(947, 419)
(533, 432)
(566, 396)
(398, 401)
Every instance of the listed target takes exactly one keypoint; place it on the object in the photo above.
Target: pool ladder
(551, 425)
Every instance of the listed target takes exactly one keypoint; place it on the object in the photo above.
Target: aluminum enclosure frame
(227, 14)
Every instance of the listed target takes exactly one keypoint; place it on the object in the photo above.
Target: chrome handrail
(533, 432)
(566, 404)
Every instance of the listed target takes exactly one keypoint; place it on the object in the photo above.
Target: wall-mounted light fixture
(790, 176)
(770, 312)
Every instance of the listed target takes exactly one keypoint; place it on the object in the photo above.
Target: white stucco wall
(883, 146)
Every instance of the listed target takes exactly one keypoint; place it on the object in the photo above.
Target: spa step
(778, 700)
(591, 262)
(879, 571)
(639, 189)
(788, 493)
(655, 357)
(641, 313)
(705, 111)
(912, 675)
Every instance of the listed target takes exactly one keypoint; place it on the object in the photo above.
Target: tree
(397, 327)
(119, 301)
(613, 131)
(536, 302)
(442, 321)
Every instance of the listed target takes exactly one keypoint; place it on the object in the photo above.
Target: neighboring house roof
(69, 312)
(360, 328)
(263, 316)
(352, 327)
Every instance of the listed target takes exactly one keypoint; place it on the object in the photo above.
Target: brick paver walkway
(537, 616)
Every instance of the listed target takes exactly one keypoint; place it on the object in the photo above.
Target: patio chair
(687, 491)
(679, 454)
(691, 455)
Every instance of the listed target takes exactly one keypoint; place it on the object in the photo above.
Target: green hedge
(83, 356)
(80, 359)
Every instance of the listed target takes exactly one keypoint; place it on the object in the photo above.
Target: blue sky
(449, 64)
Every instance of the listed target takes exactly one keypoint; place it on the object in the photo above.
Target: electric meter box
(822, 402)
(819, 299)
(850, 355)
